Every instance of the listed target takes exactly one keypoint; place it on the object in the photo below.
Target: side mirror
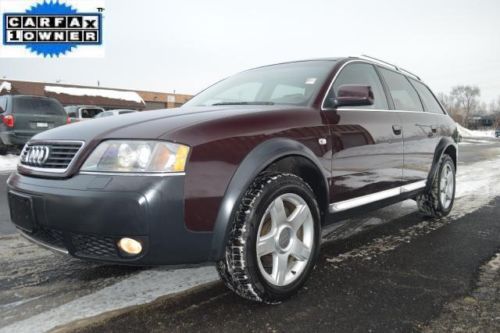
(354, 95)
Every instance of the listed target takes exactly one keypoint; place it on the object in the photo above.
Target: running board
(367, 199)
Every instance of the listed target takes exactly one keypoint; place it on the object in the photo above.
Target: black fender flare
(254, 163)
(442, 146)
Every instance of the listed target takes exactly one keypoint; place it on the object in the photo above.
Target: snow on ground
(474, 141)
(8, 163)
(467, 133)
(106, 93)
(5, 85)
(141, 288)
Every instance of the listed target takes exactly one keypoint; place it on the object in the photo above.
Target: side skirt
(378, 196)
(336, 217)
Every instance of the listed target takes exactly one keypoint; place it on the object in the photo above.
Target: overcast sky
(166, 45)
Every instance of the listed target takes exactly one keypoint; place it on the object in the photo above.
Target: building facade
(107, 98)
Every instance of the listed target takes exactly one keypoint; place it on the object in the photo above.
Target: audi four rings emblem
(37, 155)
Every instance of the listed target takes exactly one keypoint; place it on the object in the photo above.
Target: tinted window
(36, 105)
(3, 103)
(402, 92)
(430, 103)
(361, 74)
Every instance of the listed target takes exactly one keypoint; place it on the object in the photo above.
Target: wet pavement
(397, 273)
(398, 290)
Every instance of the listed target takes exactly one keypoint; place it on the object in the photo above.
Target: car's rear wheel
(438, 200)
(274, 242)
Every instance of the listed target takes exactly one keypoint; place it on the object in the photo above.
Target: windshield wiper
(244, 103)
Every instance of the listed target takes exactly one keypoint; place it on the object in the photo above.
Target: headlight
(137, 156)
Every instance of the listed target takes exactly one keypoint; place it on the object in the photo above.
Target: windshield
(37, 105)
(292, 83)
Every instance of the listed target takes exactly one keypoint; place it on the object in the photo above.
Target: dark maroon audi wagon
(246, 175)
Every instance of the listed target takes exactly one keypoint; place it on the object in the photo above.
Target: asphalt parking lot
(397, 272)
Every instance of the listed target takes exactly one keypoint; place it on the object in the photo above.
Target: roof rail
(391, 65)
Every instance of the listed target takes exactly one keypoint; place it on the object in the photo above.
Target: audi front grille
(50, 157)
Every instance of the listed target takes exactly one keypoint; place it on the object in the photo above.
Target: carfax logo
(52, 28)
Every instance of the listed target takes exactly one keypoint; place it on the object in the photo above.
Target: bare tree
(446, 100)
(466, 99)
(495, 110)
(450, 105)
(482, 108)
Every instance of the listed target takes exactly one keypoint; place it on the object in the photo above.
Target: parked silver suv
(82, 112)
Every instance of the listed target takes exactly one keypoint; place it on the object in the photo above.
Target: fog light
(130, 246)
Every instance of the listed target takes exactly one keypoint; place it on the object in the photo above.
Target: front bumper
(87, 214)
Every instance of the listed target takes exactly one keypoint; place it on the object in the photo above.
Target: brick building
(108, 98)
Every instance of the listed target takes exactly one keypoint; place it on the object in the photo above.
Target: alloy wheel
(446, 186)
(285, 239)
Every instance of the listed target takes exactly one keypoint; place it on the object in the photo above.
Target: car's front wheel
(274, 241)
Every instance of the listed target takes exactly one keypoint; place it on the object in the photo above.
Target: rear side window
(403, 94)
(361, 74)
(430, 102)
(34, 105)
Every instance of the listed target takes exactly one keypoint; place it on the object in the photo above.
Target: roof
(362, 57)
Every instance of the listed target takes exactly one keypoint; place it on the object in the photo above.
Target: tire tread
(233, 271)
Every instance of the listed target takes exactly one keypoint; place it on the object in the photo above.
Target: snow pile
(7, 86)
(106, 93)
(467, 133)
(8, 162)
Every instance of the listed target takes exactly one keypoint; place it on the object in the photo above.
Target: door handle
(396, 129)
(433, 128)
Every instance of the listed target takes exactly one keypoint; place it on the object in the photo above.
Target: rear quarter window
(33, 105)
(430, 102)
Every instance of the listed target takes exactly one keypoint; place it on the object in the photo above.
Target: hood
(147, 124)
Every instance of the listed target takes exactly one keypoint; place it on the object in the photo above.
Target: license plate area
(21, 211)
(42, 125)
